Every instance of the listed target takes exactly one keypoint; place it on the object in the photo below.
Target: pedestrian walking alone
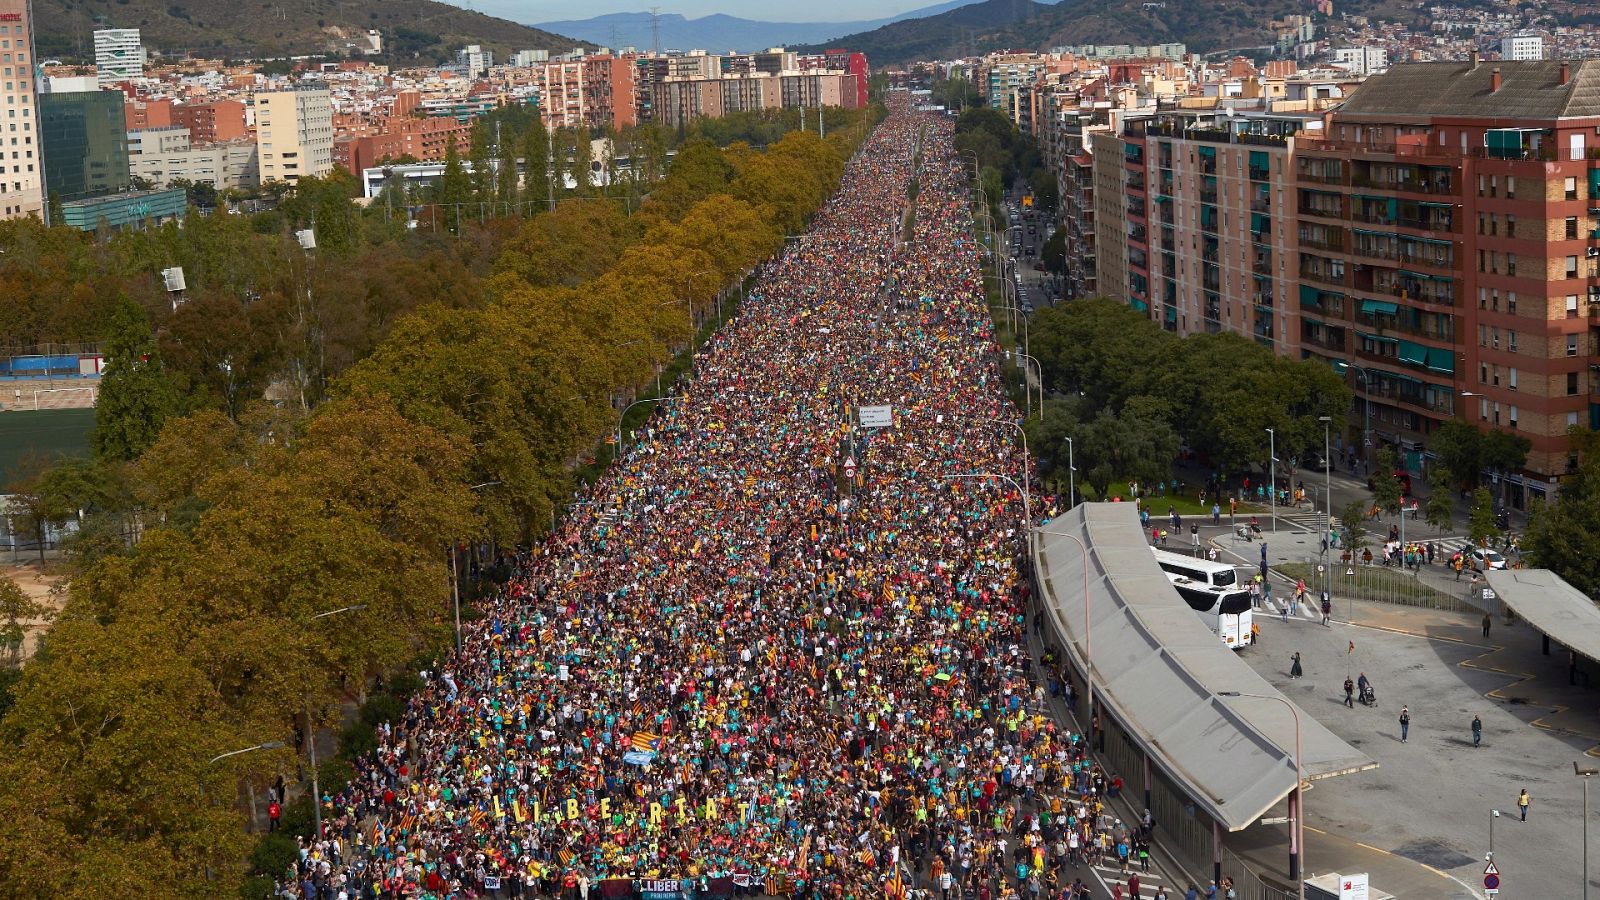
(1477, 731)
(1486, 624)
(1405, 723)
(1350, 693)
(1522, 803)
(1294, 666)
(1327, 608)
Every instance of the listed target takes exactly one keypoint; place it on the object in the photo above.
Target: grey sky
(766, 10)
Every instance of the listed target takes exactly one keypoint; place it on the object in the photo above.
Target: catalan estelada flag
(644, 740)
(565, 856)
(895, 887)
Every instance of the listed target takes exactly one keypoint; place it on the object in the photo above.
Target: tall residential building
(85, 144)
(1449, 226)
(1522, 47)
(211, 122)
(1112, 225)
(1362, 60)
(21, 164)
(1219, 239)
(473, 61)
(294, 134)
(118, 55)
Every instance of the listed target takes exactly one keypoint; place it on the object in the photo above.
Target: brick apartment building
(213, 122)
(1435, 238)
(425, 140)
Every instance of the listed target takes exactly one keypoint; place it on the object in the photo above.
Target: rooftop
(1528, 90)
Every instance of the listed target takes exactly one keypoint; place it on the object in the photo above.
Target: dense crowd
(772, 644)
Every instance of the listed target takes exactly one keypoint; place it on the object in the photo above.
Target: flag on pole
(895, 887)
(644, 740)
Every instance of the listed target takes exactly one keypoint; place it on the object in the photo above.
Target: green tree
(1481, 524)
(454, 189)
(136, 393)
(1385, 487)
(536, 163)
(1459, 447)
(17, 610)
(480, 150)
(1564, 536)
(1054, 252)
(1505, 452)
(583, 162)
(1442, 499)
(1353, 528)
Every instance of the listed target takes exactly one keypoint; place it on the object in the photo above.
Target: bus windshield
(1234, 603)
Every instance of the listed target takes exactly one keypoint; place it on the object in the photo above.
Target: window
(1494, 375)
(1494, 338)
(1512, 418)
(1511, 378)
(1572, 345)
(1572, 267)
(1570, 186)
(1511, 264)
(1481, 183)
(1511, 187)
(1511, 341)
(1572, 422)
(1511, 305)
(1572, 227)
(1483, 293)
(1572, 306)
(1483, 373)
(1572, 384)
(1483, 335)
(1483, 410)
(1511, 226)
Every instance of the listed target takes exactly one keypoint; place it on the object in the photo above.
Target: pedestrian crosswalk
(1278, 605)
(1112, 876)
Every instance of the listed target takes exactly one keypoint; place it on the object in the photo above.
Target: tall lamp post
(1327, 489)
(1272, 489)
(311, 734)
(1072, 475)
(269, 745)
(1493, 814)
(1088, 632)
(1584, 772)
(1297, 816)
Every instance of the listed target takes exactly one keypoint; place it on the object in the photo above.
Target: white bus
(1212, 590)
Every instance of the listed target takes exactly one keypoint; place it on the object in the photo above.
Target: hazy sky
(766, 10)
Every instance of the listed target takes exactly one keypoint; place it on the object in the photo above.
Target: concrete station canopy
(1546, 601)
(1157, 669)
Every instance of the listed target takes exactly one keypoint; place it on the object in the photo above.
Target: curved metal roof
(1158, 670)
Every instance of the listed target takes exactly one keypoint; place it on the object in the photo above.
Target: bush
(274, 854)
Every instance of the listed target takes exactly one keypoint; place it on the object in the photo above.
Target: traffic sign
(1491, 882)
(1491, 869)
(850, 468)
(876, 416)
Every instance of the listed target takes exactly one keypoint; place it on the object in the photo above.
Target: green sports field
(46, 432)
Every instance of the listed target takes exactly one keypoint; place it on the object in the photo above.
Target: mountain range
(720, 33)
(415, 31)
(1204, 25)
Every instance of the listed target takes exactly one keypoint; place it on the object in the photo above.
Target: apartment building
(1110, 173)
(425, 140)
(592, 92)
(212, 121)
(1449, 225)
(165, 155)
(1220, 241)
(139, 115)
(118, 56)
(21, 168)
(294, 134)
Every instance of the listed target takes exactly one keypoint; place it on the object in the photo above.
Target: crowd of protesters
(772, 644)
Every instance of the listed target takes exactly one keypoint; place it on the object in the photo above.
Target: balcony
(1324, 277)
(1333, 242)
(1432, 186)
(1320, 213)
(1312, 177)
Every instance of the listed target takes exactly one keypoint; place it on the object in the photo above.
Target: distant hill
(414, 31)
(966, 30)
(1205, 25)
(719, 33)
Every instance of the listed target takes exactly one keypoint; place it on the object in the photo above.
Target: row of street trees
(217, 535)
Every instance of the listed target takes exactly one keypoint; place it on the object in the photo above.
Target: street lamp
(1297, 816)
(1584, 772)
(1040, 369)
(1272, 488)
(311, 733)
(620, 446)
(1493, 814)
(1088, 628)
(1072, 474)
(269, 745)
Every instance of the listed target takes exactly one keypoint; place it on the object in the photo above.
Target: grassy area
(1378, 584)
(47, 432)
